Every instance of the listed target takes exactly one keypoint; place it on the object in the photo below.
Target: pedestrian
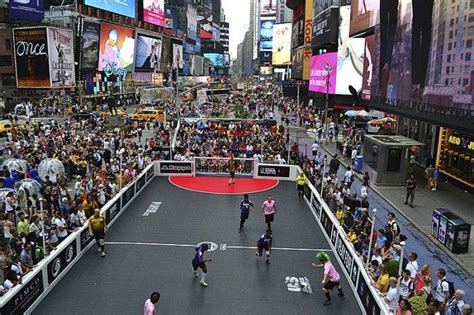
(149, 307)
(467, 309)
(315, 148)
(366, 179)
(268, 210)
(410, 186)
(331, 277)
(98, 228)
(456, 303)
(199, 262)
(300, 184)
(232, 168)
(435, 179)
(245, 206)
(334, 165)
(442, 289)
(429, 176)
(265, 243)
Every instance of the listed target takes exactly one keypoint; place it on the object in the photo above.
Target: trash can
(358, 163)
(435, 223)
(453, 232)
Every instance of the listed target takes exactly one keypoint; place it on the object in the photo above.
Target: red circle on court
(220, 186)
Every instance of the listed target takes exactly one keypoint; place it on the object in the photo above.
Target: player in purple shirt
(265, 243)
(199, 262)
(245, 206)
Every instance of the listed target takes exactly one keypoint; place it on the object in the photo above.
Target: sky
(237, 15)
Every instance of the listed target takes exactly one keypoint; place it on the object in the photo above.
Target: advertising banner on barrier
(176, 168)
(126, 197)
(141, 182)
(368, 300)
(112, 212)
(150, 173)
(86, 238)
(274, 170)
(316, 206)
(26, 296)
(344, 253)
(62, 260)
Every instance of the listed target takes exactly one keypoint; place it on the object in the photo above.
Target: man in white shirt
(412, 265)
(315, 148)
(391, 297)
(406, 285)
(442, 288)
(456, 303)
(61, 225)
(348, 176)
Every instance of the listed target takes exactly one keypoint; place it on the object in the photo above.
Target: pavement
(147, 253)
(415, 222)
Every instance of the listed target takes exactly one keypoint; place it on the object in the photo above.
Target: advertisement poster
(90, 45)
(31, 58)
(308, 33)
(191, 14)
(171, 18)
(154, 12)
(350, 56)
(281, 44)
(365, 14)
(265, 57)
(122, 7)
(165, 54)
(294, 35)
(27, 10)
(325, 26)
(268, 7)
(216, 60)
(148, 54)
(178, 56)
(322, 5)
(368, 76)
(297, 63)
(117, 47)
(61, 57)
(266, 34)
(318, 75)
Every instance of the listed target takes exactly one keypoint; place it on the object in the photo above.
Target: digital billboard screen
(27, 10)
(122, 7)
(265, 57)
(281, 44)
(365, 15)
(117, 48)
(266, 34)
(318, 75)
(191, 14)
(325, 26)
(369, 60)
(154, 12)
(177, 56)
(297, 63)
(90, 45)
(148, 53)
(217, 60)
(268, 7)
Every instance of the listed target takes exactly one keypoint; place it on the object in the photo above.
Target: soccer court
(150, 248)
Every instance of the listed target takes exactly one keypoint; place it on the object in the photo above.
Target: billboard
(165, 54)
(205, 28)
(266, 34)
(323, 5)
(178, 56)
(368, 75)
(268, 7)
(281, 44)
(350, 56)
(294, 35)
(191, 14)
(148, 53)
(217, 60)
(154, 12)
(171, 18)
(61, 57)
(365, 15)
(325, 27)
(297, 63)
(266, 70)
(122, 7)
(27, 10)
(265, 57)
(117, 47)
(90, 45)
(31, 58)
(226, 60)
(318, 75)
(308, 32)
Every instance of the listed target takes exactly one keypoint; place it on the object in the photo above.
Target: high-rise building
(224, 39)
(284, 14)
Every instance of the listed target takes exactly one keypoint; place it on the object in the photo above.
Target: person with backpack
(444, 289)
(406, 285)
(456, 303)
(393, 225)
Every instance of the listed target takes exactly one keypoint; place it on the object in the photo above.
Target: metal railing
(219, 166)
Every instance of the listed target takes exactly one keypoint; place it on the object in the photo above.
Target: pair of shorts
(261, 248)
(197, 265)
(300, 187)
(269, 217)
(330, 285)
(232, 174)
(99, 235)
(410, 193)
(244, 215)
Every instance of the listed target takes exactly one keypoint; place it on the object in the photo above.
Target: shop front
(455, 156)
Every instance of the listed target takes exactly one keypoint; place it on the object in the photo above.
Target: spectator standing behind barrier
(442, 289)
(455, 305)
(149, 307)
(334, 165)
(391, 296)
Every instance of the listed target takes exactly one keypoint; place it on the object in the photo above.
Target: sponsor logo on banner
(141, 182)
(344, 254)
(62, 260)
(25, 297)
(126, 197)
(114, 210)
(317, 207)
(176, 168)
(149, 173)
(86, 238)
(273, 171)
(355, 273)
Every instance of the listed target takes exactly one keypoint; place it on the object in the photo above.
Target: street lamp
(328, 70)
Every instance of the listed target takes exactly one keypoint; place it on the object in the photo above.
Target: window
(447, 70)
(465, 82)
(469, 43)
(8, 44)
(446, 82)
(467, 69)
(5, 61)
(468, 56)
(449, 58)
(471, 18)
(451, 23)
(450, 46)
(450, 34)
(8, 80)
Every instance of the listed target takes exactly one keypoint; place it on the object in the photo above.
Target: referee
(97, 228)
(268, 210)
(300, 184)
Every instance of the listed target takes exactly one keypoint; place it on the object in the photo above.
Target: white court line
(228, 246)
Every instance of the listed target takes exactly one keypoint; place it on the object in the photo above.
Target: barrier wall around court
(24, 298)
(276, 171)
(367, 296)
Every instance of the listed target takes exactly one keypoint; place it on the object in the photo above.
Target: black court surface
(152, 251)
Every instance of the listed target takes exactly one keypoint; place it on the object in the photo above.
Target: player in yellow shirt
(98, 228)
(300, 183)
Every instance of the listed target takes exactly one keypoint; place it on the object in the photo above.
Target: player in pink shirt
(149, 307)
(268, 210)
(331, 274)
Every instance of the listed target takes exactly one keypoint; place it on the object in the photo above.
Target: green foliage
(392, 268)
(418, 305)
(281, 129)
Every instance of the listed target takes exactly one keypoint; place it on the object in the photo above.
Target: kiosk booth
(386, 158)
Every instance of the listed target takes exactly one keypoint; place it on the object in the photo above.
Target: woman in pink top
(329, 273)
(149, 307)
(268, 210)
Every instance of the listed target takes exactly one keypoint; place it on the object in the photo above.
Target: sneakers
(267, 261)
(342, 296)
(195, 273)
(433, 189)
(327, 302)
(204, 284)
(102, 254)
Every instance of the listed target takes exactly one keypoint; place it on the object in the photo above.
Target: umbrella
(4, 192)
(33, 186)
(388, 120)
(51, 168)
(351, 113)
(363, 113)
(376, 122)
(15, 164)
